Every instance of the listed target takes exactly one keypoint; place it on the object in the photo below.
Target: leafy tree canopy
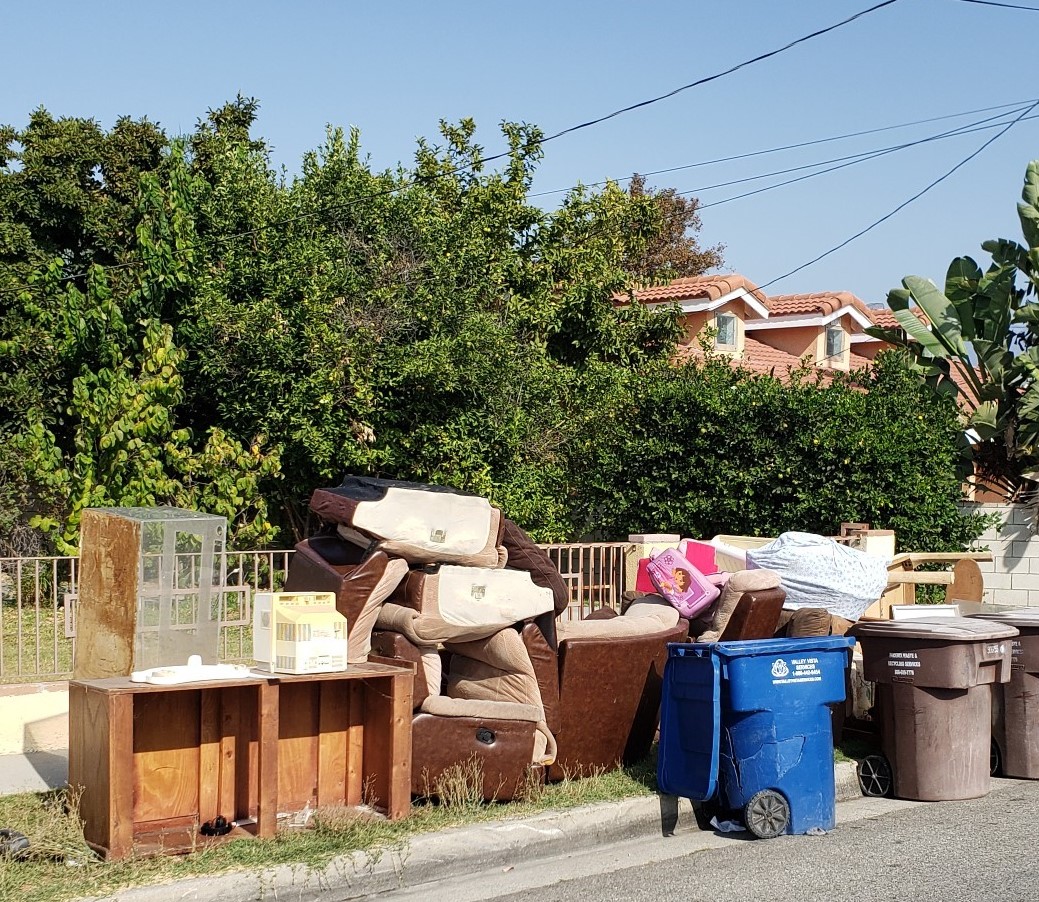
(182, 324)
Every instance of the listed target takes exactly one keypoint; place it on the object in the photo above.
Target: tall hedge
(705, 448)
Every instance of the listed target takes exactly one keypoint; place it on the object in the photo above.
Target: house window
(834, 343)
(725, 323)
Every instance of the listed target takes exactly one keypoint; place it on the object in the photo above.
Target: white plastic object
(192, 672)
(914, 611)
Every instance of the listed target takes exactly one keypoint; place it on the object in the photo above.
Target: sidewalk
(466, 850)
(33, 772)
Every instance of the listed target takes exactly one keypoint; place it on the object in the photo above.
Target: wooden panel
(263, 756)
(334, 718)
(166, 741)
(387, 743)
(399, 804)
(968, 583)
(209, 756)
(120, 776)
(89, 756)
(231, 710)
(298, 745)
(355, 744)
(106, 610)
(922, 577)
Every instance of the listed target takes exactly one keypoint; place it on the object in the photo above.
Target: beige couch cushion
(646, 615)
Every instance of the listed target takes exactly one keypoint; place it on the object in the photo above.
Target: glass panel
(834, 342)
(726, 325)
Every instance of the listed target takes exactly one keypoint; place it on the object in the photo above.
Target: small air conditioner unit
(298, 632)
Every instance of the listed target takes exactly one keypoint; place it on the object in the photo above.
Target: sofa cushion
(523, 554)
(645, 615)
(420, 523)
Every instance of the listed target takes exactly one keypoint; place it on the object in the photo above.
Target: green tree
(94, 376)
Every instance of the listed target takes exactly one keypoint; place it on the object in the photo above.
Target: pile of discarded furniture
(443, 580)
(438, 654)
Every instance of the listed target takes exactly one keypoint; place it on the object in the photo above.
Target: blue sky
(394, 69)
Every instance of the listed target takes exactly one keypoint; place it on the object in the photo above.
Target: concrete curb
(447, 853)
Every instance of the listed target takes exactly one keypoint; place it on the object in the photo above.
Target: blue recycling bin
(746, 724)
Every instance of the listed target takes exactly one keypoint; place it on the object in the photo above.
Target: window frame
(728, 317)
(837, 330)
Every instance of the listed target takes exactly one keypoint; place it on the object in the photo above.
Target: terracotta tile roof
(885, 318)
(758, 357)
(692, 288)
(820, 303)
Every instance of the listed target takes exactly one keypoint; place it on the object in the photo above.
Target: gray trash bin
(934, 703)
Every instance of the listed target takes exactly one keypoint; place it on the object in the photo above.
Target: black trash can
(933, 703)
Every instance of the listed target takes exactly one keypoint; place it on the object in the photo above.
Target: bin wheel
(767, 814)
(875, 776)
(995, 760)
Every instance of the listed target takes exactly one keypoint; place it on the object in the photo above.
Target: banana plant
(978, 341)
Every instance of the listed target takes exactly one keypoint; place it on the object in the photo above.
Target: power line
(709, 78)
(905, 203)
(843, 162)
(1031, 9)
(797, 146)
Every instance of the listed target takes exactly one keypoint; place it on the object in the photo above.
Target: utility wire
(905, 203)
(797, 146)
(709, 78)
(843, 163)
(1031, 9)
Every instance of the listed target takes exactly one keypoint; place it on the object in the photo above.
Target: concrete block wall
(1012, 577)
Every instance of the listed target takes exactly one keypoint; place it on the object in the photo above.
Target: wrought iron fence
(38, 602)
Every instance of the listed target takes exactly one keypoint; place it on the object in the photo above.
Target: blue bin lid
(782, 646)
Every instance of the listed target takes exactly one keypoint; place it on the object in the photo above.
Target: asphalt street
(982, 850)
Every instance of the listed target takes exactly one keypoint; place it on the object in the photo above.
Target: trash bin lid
(949, 629)
(1023, 617)
(764, 647)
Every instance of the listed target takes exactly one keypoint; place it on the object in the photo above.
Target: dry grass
(59, 867)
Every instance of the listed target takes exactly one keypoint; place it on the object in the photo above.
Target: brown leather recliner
(599, 690)
(585, 700)
(602, 685)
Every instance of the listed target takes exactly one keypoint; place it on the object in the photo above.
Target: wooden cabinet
(154, 763)
(344, 738)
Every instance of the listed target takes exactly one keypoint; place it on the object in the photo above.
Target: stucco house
(771, 333)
